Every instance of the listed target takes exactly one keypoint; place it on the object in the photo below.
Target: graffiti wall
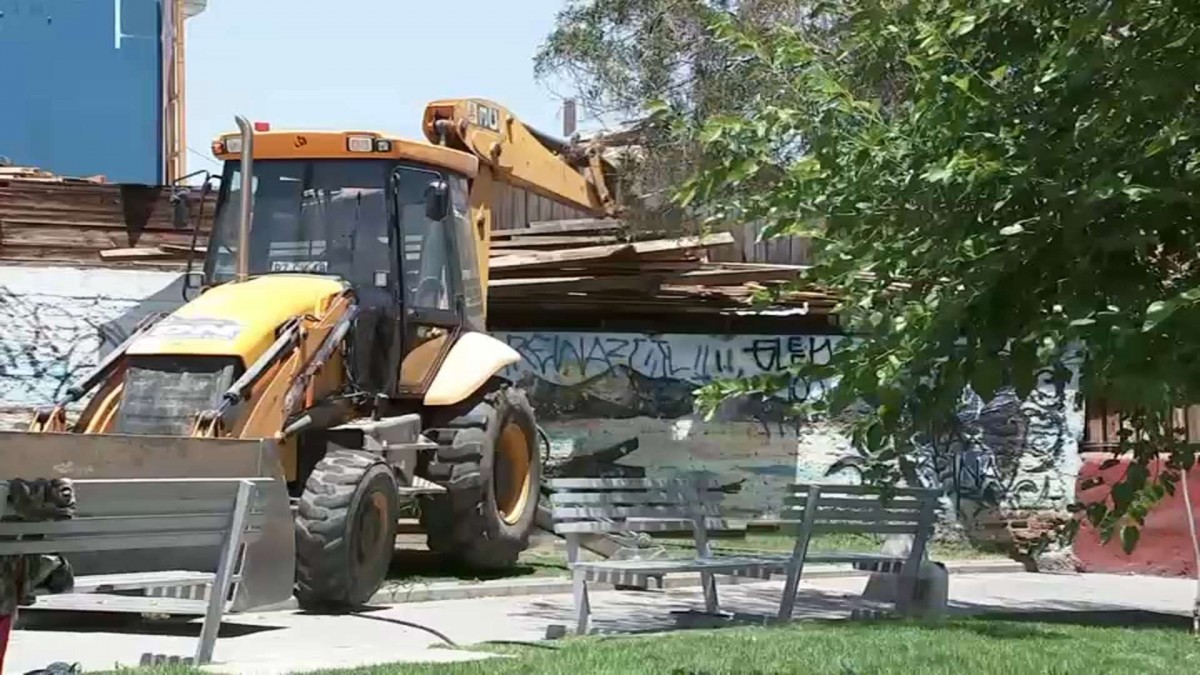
(623, 404)
(1006, 456)
(57, 321)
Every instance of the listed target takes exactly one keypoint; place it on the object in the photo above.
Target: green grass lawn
(976, 646)
(964, 646)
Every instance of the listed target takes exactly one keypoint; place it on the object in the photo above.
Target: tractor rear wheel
(487, 458)
(345, 531)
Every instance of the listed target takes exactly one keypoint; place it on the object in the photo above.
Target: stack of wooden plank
(47, 220)
(597, 264)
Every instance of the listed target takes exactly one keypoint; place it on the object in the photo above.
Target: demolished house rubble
(598, 267)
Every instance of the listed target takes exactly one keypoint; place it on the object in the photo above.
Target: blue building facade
(81, 87)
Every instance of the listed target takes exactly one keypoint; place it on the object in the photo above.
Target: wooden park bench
(820, 508)
(150, 516)
(582, 506)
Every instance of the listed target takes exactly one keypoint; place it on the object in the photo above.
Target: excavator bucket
(268, 569)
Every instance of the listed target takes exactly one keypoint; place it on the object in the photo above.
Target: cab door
(429, 283)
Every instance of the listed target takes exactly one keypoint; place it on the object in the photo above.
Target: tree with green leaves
(619, 56)
(994, 189)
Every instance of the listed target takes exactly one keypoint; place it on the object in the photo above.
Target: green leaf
(875, 437)
(997, 74)
(987, 377)
(1011, 230)
(1157, 312)
(963, 82)
(711, 133)
(963, 24)
(940, 174)
(1130, 534)
(1137, 193)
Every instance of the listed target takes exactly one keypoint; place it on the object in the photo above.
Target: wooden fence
(747, 248)
(1102, 432)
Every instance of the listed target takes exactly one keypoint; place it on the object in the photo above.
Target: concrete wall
(612, 403)
(81, 87)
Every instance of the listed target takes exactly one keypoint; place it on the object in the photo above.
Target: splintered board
(567, 266)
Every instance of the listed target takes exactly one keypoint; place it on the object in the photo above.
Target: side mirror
(437, 201)
(193, 280)
(180, 210)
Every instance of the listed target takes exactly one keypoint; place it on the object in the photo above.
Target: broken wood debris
(556, 271)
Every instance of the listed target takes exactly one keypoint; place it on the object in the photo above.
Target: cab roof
(301, 144)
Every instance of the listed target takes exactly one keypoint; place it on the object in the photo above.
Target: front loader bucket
(269, 566)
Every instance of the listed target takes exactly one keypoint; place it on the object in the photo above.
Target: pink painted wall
(1165, 547)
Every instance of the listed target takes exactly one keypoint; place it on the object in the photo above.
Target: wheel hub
(511, 475)
(371, 527)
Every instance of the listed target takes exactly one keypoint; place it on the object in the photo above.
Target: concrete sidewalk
(286, 642)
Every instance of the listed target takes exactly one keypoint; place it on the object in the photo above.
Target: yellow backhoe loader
(340, 315)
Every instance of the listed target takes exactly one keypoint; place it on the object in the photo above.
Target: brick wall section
(1165, 547)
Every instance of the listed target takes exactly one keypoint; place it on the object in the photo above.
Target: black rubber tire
(465, 525)
(330, 575)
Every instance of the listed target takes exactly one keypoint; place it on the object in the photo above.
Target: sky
(361, 64)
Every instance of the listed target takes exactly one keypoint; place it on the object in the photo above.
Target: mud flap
(269, 568)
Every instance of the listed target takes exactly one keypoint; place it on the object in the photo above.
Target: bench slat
(99, 583)
(124, 524)
(635, 525)
(593, 484)
(838, 489)
(115, 542)
(648, 497)
(129, 505)
(872, 515)
(681, 511)
(866, 528)
(716, 565)
(855, 503)
(125, 604)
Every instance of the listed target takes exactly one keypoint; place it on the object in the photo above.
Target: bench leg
(230, 557)
(709, 582)
(582, 608)
(907, 585)
(788, 601)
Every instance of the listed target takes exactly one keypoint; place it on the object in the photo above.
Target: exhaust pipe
(243, 256)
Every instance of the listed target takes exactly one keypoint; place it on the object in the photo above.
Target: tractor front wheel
(345, 531)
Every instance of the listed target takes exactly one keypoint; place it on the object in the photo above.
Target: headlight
(360, 144)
